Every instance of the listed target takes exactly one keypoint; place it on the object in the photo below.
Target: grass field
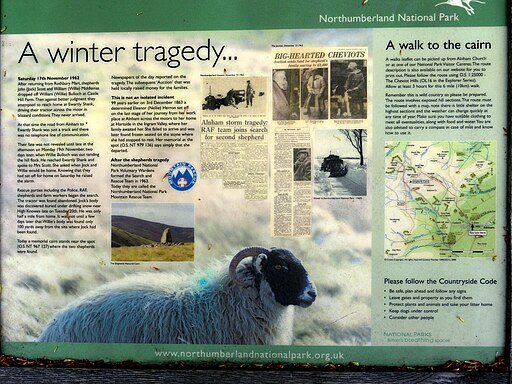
(337, 254)
(182, 252)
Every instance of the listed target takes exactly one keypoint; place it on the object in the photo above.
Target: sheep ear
(260, 261)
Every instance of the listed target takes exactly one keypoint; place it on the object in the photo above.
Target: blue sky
(178, 214)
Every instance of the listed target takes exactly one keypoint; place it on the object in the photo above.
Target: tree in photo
(356, 138)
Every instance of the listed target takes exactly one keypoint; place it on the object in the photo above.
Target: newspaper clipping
(319, 96)
(320, 191)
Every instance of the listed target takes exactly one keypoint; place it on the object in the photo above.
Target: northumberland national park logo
(465, 4)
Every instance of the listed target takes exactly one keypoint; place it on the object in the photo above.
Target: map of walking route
(440, 199)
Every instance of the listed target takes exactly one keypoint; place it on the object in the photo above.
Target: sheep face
(286, 276)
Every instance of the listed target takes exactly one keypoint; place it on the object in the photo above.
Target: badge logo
(182, 176)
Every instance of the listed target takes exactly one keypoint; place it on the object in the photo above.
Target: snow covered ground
(337, 254)
(352, 184)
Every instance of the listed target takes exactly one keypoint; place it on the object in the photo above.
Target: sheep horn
(243, 254)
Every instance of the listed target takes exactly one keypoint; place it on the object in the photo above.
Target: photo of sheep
(137, 237)
(232, 283)
(330, 307)
(217, 311)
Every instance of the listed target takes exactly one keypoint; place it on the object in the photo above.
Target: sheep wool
(176, 309)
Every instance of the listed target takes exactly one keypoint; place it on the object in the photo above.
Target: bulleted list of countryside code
(410, 300)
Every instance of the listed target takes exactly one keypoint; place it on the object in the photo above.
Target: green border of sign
(71, 16)
(249, 354)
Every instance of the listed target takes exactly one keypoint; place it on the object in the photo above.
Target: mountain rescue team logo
(182, 176)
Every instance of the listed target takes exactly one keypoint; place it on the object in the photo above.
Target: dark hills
(130, 231)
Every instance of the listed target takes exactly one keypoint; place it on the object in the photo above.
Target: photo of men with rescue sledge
(237, 95)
